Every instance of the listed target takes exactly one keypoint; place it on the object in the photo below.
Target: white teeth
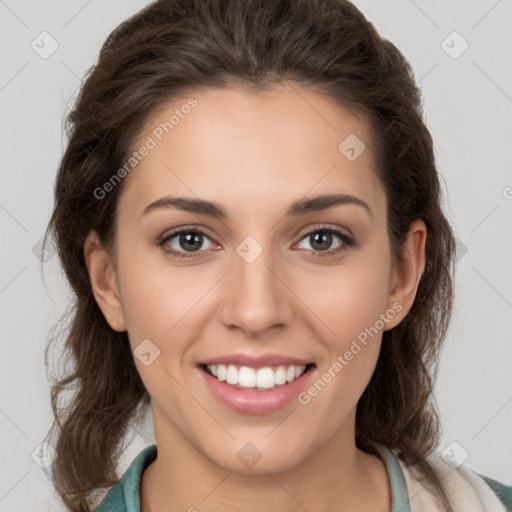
(232, 375)
(280, 375)
(263, 378)
(220, 370)
(247, 377)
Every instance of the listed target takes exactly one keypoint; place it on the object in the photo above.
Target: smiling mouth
(251, 379)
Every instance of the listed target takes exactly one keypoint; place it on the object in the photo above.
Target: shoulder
(503, 491)
(467, 489)
(124, 496)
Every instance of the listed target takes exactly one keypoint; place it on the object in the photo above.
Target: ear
(407, 273)
(103, 278)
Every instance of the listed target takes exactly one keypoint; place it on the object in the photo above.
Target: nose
(257, 298)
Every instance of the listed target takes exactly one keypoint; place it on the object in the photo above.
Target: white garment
(466, 490)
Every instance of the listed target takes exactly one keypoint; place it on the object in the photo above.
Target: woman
(248, 212)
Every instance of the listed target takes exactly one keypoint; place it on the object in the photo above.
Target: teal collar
(399, 495)
(125, 497)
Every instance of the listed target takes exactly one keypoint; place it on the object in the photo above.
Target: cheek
(159, 300)
(146, 294)
(352, 304)
(350, 297)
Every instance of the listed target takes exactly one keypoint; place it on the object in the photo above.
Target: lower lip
(254, 401)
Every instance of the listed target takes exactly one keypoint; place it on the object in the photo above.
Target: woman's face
(269, 278)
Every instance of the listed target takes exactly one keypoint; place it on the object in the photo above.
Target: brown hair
(172, 47)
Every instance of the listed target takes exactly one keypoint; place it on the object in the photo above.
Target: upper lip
(257, 361)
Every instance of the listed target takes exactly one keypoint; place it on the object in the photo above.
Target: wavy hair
(172, 47)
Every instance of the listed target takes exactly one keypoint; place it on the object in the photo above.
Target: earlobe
(409, 270)
(103, 278)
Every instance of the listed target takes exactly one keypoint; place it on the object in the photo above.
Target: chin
(250, 460)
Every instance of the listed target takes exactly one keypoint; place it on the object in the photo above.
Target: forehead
(258, 150)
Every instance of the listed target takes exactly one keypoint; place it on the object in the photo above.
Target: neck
(337, 477)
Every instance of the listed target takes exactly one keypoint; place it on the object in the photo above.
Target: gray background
(468, 106)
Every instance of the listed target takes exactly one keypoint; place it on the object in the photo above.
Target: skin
(255, 155)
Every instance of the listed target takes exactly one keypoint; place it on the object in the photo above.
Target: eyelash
(347, 242)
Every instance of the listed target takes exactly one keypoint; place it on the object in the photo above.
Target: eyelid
(200, 229)
(184, 229)
(347, 240)
(327, 227)
(343, 233)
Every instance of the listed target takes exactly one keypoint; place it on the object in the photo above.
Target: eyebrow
(215, 210)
